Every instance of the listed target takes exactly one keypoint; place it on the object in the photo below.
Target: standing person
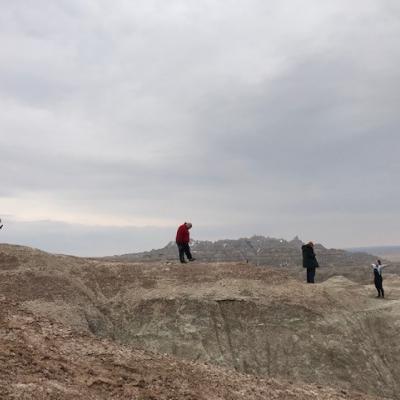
(378, 280)
(309, 261)
(182, 241)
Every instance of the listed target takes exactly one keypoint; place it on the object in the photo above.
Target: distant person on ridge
(378, 280)
(309, 261)
(182, 241)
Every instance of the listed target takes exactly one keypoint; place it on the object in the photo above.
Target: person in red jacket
(182, 241)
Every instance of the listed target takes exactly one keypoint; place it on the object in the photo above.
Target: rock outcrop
(257, 250)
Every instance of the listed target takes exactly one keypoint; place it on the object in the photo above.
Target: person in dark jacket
(378, 280)
(309, 261)
(182, 241)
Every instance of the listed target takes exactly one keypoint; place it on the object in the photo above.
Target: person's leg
(181, 253)
(187, 252)
(312, 275)
(378, 287)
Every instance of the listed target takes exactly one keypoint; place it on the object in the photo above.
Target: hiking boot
(192, 259)
(183, 262)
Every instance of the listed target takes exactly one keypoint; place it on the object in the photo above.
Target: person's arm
(315, 260)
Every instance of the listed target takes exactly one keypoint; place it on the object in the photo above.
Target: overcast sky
(121, 119)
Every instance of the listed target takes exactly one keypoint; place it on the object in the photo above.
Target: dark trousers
(184, 249)
(379, 287)
(310, 275)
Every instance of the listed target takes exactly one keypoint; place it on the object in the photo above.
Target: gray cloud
(272, 117)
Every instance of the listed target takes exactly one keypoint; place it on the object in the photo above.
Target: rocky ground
(76, 328)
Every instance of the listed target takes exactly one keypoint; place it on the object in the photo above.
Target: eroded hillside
(41, 359)
(253, 320)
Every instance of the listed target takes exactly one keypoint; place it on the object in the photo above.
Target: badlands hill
(258, 250)
(74, 328)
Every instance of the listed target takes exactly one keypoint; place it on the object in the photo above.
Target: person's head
(311, 244)
(379, 262)
(188, 225)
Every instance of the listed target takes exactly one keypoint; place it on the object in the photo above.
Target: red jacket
(182, 235)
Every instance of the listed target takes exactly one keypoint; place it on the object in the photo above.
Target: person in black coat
(378, 280)
(309, 261)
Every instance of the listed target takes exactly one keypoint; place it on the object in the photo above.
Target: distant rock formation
(258, 250)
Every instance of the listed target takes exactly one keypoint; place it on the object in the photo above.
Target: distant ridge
(257, 250)
(390, 253)
(376, 249)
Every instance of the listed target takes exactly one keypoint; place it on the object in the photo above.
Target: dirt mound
(258, 321)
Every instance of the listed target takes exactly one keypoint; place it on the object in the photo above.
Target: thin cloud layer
(279, 118)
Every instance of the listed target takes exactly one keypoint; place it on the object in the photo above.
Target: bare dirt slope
(257, 321)
(41, 359)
